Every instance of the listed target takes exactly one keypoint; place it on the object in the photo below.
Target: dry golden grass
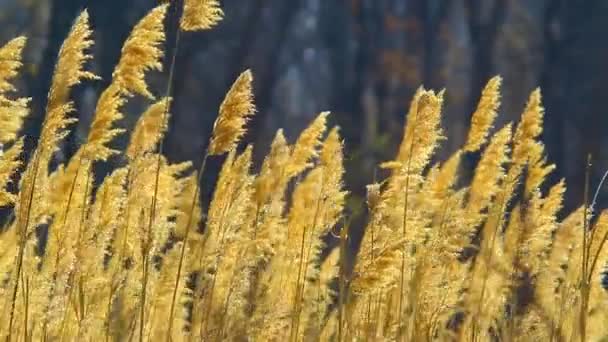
(134, 258)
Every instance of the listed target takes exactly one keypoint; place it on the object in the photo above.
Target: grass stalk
(26, 300)
(503, 204)
(22, 240)
(342, 280)
(304, 264)
(404, 223)
(168, 94)
(63, 228)
(585, 257)
(218, 261)
(184, 245)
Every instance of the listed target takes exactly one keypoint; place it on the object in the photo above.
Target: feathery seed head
(10, 62)
(447, 175)
(305, 148)
(553, 201)
(331, 161)
(538, 169)
(242, 163)
(484, 115)
(305, 198)
(201, 15)
(490, 170)
(528, 129)
(69, 71)
(235, 111)
(12, 112)
(331, 152)
(271, 176)
(9, 162)
(184, 207)
(149, 129)
(101, 131)
(54, 129)
(422, 132)
(141, 52)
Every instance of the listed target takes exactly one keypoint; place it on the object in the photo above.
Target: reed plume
(9, 163)
(141, 52)
(149, 129)
(69, 72)
(200, 15)
(484, 115)
(305, 148)
(234, 113)
(12, 112)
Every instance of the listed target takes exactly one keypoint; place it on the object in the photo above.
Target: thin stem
(184, 244)
(218, 259)
(585, 257)
(225, 310)
(23, 234)
(597, 192)
(368, 325)
(304, 262)
(405, 207)
(26, 299)
(143, 300)
(562, 303)
(121, 254)
(83, 215)
(296, 296)
(402, 276)
(158, 167)
(503, 204)
(341, 280)
(63, 229)
(258, 211)
(145, 253)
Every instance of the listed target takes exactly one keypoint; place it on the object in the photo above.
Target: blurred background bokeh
(361, 59)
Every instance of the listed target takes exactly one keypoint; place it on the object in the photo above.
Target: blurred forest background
(361, 59)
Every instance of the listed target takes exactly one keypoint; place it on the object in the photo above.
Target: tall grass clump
(134, 257)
